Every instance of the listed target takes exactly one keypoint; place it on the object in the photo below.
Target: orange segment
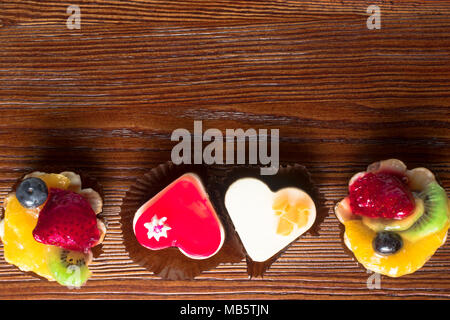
(20, 247)
(411, 257)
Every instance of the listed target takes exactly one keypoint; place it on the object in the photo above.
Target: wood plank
(105, 99)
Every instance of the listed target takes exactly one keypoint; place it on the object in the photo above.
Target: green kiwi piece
(435, 216)
(380, 224)
(68, 267)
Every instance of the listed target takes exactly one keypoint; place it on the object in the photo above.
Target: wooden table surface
(105, 99)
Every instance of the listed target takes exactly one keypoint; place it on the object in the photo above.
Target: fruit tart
(50, 225)
(395, 219)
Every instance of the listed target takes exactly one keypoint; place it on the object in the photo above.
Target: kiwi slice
(68, 267)
(380, 224)
(435, 216)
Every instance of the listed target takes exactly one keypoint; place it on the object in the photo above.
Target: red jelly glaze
(381, 195)
(67, 221)
(194, 225)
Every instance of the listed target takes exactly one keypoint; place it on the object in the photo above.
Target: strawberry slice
(381, 195)
(67, 221)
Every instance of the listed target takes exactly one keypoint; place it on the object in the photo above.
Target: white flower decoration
(157, 228)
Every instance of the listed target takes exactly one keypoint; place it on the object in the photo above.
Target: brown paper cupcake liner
(171, 263)
(288, 175)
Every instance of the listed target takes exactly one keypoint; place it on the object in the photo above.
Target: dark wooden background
(104, 99)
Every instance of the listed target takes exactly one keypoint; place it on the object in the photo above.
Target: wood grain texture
(104, 99)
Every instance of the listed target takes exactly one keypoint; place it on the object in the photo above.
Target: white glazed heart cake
(267, 221)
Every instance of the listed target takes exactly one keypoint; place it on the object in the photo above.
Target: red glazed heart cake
(182, 216)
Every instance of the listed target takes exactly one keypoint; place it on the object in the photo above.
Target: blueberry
(387, 243)
(32, 192)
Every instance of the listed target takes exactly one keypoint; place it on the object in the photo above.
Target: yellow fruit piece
(411, 257)
(299, 216)
(285, 227)
(20, 247)
(292, 212)
(54, 180)
(280, 203)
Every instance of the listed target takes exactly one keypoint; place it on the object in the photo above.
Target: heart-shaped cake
(182, 216)
(268, 221)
